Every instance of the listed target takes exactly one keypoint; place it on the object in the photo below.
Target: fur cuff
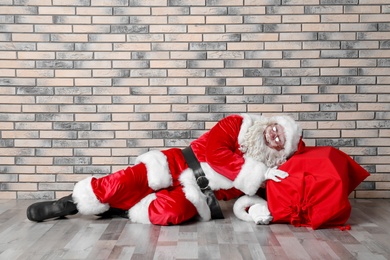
(216, 180)
(243, 203)
(251, 176)
(85, 199)
(156, 163)
(194, 194)
(139, 213)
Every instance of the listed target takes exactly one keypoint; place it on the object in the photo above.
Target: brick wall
(87, 85)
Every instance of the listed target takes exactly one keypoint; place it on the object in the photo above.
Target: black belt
(203, 183)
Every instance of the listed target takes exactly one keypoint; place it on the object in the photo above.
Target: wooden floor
(93, 238)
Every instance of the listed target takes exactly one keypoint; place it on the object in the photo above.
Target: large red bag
(316, 191)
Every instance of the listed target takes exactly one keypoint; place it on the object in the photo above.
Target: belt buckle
(202, 182)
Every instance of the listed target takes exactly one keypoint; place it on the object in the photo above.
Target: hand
(260, 214)
(274, 174)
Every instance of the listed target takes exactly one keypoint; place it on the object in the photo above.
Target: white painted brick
(103, 81)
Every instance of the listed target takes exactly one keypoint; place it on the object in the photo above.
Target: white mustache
(269, 139)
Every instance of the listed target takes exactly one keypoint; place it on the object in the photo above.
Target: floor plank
(90, 237)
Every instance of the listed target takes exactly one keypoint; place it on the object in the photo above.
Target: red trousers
(126, 188)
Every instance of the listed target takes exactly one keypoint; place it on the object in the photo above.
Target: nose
(272, 134)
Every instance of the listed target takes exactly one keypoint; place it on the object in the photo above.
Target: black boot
(41, 211)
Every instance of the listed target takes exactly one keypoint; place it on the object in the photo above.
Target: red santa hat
(292, 131)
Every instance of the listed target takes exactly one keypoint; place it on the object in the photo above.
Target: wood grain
(89, 237)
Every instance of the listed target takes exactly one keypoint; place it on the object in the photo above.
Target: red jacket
(161, 189)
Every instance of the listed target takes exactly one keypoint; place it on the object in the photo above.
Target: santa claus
(172, 186)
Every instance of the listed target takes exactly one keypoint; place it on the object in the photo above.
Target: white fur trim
(85, 199)
(292, 132)
(159, 175)
(244, 202)
(194, 194)
(251, 176)
(216, 180)
(139, 213)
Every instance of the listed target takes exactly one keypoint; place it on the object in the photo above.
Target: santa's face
(274, 136)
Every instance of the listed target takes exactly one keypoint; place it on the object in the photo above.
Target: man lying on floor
(235, 158)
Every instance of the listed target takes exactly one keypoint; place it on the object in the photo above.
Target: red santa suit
(161, 189)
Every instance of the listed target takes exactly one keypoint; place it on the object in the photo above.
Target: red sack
(316, 191)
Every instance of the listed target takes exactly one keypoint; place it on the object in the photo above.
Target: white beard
(255, 146)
